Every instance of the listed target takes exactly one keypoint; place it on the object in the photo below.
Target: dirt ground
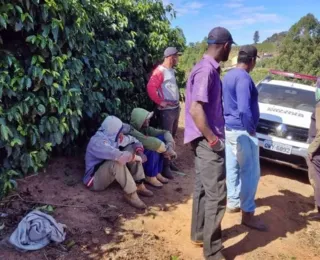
(102, 226)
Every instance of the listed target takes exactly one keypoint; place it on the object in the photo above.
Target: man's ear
(227, 45)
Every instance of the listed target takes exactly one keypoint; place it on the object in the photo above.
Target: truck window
(299, 99)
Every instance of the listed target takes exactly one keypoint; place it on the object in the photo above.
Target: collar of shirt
(213, 62)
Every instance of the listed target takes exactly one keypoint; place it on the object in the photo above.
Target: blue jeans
(243, 170)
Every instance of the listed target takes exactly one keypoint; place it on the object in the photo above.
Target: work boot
(134, 200)
(143, 191)
(166, 169)
(153, 181)
(167, 173)
(233, 210)
(162, 179)
(249, 220)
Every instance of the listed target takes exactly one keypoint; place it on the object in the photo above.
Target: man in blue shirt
(241, 113)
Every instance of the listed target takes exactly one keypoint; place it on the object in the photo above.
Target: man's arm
(154, 89)
(314, 146)
(243, 91)
(200, 119)
(202, 81)
(103, 150)
(154, 86)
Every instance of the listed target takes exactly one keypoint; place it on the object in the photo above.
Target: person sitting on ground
(158, 144)
(110, 156)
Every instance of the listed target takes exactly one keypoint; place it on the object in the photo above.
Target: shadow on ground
(270, 168)
(287, 209)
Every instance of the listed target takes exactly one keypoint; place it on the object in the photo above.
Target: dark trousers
(169, 120)
(209, 197)
(314, 176)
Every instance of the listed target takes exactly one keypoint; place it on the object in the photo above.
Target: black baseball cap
(249, 51)
(219, 35)
(170, 51)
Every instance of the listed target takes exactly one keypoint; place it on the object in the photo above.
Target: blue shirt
(240, 97)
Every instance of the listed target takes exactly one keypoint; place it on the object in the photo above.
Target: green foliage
(65, 64)
(191, 55)
(300, 51)
(256, 37)
(46, 209)
(276, 38)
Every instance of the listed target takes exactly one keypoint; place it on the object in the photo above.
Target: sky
(241, 17)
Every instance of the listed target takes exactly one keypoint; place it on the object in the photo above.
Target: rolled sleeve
(201, 83)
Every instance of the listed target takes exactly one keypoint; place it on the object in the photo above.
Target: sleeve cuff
(139, 149)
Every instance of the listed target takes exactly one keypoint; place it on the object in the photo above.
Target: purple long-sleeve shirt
(204, 86)
(240, 97)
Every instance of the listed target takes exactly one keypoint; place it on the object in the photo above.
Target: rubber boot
(134, 200)
(174, 167)
(153, 181)
(143, 191)
(166, 169)
(249, 220)
(162, 179)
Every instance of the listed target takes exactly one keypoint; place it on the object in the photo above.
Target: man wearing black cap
(204, 129)
(164, 92)
(241, 112)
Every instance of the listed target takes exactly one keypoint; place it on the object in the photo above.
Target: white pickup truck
(285, 114)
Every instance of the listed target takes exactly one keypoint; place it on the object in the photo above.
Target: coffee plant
(65, 65)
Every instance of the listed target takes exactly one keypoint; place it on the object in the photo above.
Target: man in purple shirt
(204, 129)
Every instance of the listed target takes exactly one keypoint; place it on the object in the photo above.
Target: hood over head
(139, 116)
(111, 127)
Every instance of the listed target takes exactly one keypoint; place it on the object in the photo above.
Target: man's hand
(168, 103)
(125, 157)
(172, 145)
(170, 153)
(254, 134)
(310, 156)
(200, 119)
(217, 145)
(137, 158)
(143, 156)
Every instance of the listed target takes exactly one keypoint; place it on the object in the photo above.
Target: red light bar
(293, 75)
